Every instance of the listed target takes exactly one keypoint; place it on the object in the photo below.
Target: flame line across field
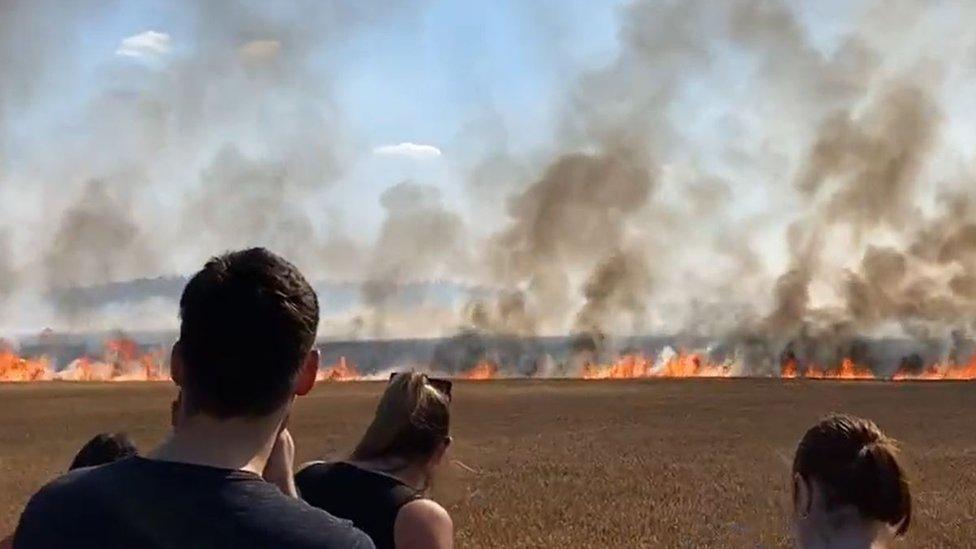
(690, 365)
(124, 360)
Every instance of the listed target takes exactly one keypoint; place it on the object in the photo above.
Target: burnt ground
(657, 463)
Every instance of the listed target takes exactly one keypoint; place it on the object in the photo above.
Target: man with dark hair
(224, 478)
(104, 448)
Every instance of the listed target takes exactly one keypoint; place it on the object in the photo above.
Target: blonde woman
(382, 487)
(849, 488)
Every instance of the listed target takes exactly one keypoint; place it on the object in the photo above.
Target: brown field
(665, 463)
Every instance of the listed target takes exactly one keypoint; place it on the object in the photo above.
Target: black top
(139, 502)
(370, 500)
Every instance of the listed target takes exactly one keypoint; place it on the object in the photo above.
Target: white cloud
(409, 150)
(145, 44)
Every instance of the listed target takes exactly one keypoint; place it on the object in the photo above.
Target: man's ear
(306, 377)
(802, 496)
(176, 364)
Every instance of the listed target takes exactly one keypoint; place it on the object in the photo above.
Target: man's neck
(236, 443)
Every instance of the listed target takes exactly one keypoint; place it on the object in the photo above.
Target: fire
(482, 370)
(814, 372)
(16, 368)
(848, 369)
(627, 366)
(122, 360)
(345, 370)
(788, 370)
(941, 371)
(681, 364)
(342, 370)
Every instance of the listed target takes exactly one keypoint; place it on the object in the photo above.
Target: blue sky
(427, 75)
(423, 77)
(425, 82)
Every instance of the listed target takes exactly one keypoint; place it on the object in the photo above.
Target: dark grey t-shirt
(139, 502)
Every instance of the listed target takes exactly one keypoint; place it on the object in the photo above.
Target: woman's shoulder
(423, 523)
(425, 510)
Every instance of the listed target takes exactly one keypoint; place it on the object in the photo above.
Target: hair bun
(882, 488)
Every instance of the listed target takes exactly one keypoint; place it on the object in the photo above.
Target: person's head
(847, 477)
(248, 321)
(412, 423)
(104, 448)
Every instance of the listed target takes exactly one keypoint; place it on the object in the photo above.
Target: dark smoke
(242, 201)
(859, 174)
(97, 240)
(875, 158)
(419, 239)
(618, 287)
(578, 211)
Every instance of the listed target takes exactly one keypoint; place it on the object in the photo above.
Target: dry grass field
(666, 463)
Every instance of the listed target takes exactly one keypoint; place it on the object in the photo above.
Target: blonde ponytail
(411, 420)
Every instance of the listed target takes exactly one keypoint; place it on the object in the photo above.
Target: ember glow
(482, 370)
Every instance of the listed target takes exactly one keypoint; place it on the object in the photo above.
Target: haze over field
(748, 169)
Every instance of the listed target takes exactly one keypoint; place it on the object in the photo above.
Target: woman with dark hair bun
(849, 488)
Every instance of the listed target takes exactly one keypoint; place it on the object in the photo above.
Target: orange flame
(788, 369)
(940, 371)
(122, 360)
(848, 369)
(16, 368)
(680, 364)
(342, 370)
(481, 371)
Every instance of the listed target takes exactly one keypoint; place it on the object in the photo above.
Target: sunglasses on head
(441, 384)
